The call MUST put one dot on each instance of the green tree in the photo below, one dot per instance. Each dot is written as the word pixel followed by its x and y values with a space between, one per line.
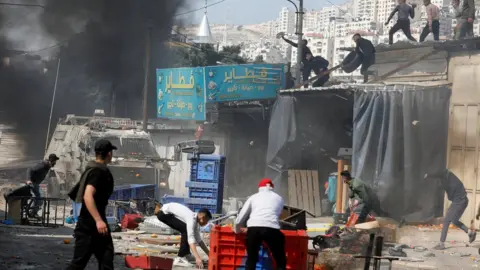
pixel 207 55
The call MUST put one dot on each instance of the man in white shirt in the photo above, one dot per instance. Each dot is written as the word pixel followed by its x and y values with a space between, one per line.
pixel 184 220
pixel 261 212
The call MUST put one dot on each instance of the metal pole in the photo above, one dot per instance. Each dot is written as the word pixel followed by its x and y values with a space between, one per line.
pixel 51 107
pixel 145 83
pixel 300 41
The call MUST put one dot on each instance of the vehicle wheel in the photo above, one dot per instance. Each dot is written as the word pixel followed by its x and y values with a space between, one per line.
pixel 352 62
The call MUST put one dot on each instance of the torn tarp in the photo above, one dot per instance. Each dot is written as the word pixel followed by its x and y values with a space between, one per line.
pixel 400 134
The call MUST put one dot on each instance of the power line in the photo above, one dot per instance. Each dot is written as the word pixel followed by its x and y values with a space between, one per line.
pixel 198 9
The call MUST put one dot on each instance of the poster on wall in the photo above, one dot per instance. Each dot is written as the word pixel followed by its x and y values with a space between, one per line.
pixel 244 82
pixel 181 94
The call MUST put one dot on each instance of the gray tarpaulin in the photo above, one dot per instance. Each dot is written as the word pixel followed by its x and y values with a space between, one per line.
pixel 400 134
pixel 305 132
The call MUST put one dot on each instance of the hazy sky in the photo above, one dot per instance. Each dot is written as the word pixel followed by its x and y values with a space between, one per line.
pixel 246 11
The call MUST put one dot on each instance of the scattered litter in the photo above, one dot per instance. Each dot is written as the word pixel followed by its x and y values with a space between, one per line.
pixel 397 252
pixel 419 249
pixel 415 122
pixel 401 246
pixel 464 254
pixel 154 236
pixel 66 241
pixel 410 259
pixel 429 255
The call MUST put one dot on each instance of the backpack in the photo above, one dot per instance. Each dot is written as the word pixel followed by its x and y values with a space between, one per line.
pixel 76 193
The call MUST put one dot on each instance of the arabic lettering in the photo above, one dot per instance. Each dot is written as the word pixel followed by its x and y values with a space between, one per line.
pixel 249 74
pixel 181 82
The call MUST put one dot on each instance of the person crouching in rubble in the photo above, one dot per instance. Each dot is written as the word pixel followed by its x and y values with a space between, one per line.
pixel 359 199
pixel 458 196
pixel 183 220
pixel 261 213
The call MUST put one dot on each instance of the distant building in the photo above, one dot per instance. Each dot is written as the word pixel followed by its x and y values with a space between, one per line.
pixel 286 21
pixel 311 20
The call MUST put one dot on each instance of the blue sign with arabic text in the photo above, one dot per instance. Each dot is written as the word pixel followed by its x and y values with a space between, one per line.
pixel 181 93
pixel 244 82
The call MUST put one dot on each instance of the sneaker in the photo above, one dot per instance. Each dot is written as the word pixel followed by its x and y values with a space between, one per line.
pixel 439 246
pixel 190 258
pixel 182 262
pixel 472 235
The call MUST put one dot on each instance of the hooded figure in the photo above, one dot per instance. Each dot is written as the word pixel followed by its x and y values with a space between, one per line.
pixel 458 196
pixel 261 213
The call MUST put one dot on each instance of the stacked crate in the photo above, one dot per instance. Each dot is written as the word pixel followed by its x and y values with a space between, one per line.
pixel 205 189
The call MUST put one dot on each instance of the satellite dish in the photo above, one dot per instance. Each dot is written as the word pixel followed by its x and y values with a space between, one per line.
pixel 280 35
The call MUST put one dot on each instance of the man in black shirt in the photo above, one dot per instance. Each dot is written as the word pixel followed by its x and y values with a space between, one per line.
pixel 36 175
pixel 306 55
pixel 92 235
pixel 367 50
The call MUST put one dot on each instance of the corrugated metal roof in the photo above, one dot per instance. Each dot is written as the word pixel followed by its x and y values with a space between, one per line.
pixel 356 87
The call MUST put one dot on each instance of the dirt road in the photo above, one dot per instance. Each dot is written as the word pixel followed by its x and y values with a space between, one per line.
pixel 41 248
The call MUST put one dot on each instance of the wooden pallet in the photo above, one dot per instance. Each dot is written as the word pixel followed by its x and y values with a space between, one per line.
pixel 304 191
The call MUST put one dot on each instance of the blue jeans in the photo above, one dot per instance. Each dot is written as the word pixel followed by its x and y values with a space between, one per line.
pixel 37 203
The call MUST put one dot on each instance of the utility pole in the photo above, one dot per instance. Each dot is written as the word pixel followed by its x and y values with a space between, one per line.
pixel 51 107
pixel 147 75
pixel 298 74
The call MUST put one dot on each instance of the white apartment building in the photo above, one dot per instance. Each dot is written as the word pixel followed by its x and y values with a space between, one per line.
pixel 286 21
pixel 366 9
pixel 339 27
pixel 311 20
pixel 325 14
pixel 318 44
pixel 272 28
pixel 349 28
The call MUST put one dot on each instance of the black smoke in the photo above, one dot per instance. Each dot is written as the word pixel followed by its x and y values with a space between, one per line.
pixel 101 47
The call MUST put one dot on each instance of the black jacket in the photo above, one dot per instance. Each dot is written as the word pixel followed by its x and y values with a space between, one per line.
pixel 38 173
pixel 365 47
pixel 306 50
pixel 452 185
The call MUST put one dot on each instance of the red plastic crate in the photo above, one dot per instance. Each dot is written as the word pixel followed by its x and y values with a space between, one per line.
pixel 148 262
pixel 228 251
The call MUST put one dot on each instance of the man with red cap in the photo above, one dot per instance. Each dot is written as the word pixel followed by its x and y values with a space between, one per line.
pixel 261 214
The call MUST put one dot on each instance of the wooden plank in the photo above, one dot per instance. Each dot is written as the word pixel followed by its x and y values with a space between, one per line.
pixel 304 188
pixel 316 192
pixel 309 194
pixel 298 189
pixel 292 195
pixel 338 206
